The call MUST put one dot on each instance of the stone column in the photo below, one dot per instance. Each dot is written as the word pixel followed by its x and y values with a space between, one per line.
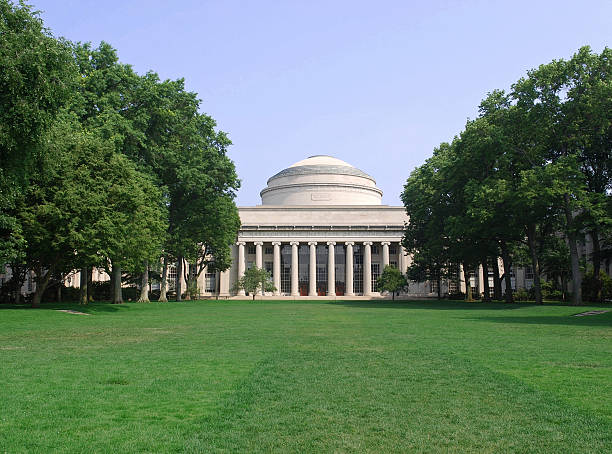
pixel 367 268
pixel 258 254
pixel 349 269
pixel 294 269
pixel 402 259
pixel 331 268
pixel 276 267
pixel 241 264
pixel 224 283
pixel 312 269
pixel 385 254
pixel 258 258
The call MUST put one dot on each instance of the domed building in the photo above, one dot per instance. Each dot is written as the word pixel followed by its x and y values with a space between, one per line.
pixel 321 230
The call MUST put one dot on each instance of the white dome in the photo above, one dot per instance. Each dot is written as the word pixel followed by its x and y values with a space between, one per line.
pixel 321 180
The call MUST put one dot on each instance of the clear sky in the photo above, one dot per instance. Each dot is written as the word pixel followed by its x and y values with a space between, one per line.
pixel 378 84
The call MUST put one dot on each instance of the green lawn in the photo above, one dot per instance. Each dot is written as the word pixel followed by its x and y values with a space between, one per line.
pixel 306 377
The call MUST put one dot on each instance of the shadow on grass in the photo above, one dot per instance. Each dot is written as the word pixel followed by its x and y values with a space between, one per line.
pixel 91 308
pixel 430 304
pixel 588 320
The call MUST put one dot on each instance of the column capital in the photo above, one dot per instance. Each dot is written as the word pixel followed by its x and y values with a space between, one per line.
pixel 367 243
pixel 258 243
pixel 276 243
pixel 386 243
pixel 331 243
pixel 349 243
pixel 294 243
pixel 312 243
pixel 240 243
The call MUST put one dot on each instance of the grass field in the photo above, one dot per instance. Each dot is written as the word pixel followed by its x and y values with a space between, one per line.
pixel 306 377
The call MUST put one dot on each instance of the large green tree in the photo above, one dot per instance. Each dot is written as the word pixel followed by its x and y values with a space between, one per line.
pixel 36 77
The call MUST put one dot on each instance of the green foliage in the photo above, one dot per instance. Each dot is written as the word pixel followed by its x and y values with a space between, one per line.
pixel 36 80
pixel 536 162
pixel 594 289
pixel 392 280
pixel 255 279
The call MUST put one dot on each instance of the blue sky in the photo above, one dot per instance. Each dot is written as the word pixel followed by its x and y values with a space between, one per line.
pixel 378 84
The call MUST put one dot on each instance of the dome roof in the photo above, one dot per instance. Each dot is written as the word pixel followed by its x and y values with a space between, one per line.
pixel 321 180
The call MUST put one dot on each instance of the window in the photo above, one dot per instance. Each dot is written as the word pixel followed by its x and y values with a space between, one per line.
pixel 453 279
pixel 375 276
pixel 375 249
pixel 358 269
pixel 528 273
pixel 30 283
pixel 250 265
pixel 251 249
pixel 269 266
pixel 210 282
pixel 433 286
pixel 268 250
pixel 393 263
pixel 392 249
pixel 285 269
pixel 171 280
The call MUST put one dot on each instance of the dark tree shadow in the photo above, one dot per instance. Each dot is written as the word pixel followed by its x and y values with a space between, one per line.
pixel 570 320
pixel 440 305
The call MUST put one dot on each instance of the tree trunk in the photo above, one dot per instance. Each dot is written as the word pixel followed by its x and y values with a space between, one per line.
pixel 117 293
pixel 531 239
pixel 507 269
pixel 597 263
pixel 89 284
pixel 571 239
pixel 144 284
pixel 58 293
pixel 83 286
pixel 485 281
pixel 496 281
pixel 179 275
pixel 393 293
pixel 439 287
pixel 164 281
pixel 41 285
pixel 468 287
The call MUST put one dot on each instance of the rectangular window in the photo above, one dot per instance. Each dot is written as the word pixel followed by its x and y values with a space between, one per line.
pixel 375 276
pixel 285 269
pixel 528 273
pixel 453 279
pixel 433 286
pixel 30 283
pixel 269 266
pixel 375 249
pixel 392 250
pixel 268 250
pixel 251 249
pixel 171 280
pixel 250 265
pixel 210 282
pixel 393 263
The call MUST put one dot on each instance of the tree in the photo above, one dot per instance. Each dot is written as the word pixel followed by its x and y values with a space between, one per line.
pixel 255 279
pixel 391 280
pixel 36 80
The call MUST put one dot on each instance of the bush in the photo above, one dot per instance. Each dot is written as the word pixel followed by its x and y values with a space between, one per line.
pixel 521 294
pixel 591 287
pixel 456 296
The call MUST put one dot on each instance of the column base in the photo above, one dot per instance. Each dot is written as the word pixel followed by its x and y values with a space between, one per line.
pixel 295 294
pixel 349 294
pixel 241 293
pixel 331 294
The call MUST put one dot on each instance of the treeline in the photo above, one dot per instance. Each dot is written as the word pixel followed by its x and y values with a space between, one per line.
pixel 103 167
pixel 526 181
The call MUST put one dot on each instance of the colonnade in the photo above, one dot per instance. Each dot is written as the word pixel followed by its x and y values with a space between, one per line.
pixel 312 267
